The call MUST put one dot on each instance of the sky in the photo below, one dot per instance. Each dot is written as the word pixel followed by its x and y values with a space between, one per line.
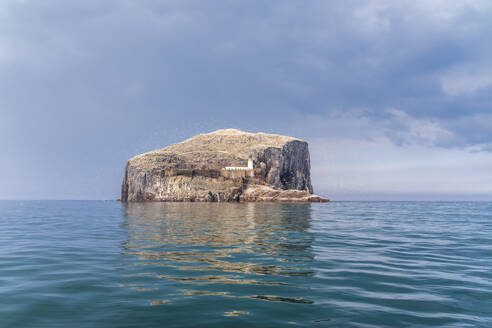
pixel 393 97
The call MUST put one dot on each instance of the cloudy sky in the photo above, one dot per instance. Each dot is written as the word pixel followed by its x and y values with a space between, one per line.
pixel 394 97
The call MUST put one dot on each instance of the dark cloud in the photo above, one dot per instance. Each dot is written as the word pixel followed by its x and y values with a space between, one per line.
pixel 85 80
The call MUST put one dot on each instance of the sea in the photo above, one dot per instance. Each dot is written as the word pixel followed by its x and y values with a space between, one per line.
pixel 340 264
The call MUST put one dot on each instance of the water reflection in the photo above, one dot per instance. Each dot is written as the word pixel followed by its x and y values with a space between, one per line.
pixel 219 245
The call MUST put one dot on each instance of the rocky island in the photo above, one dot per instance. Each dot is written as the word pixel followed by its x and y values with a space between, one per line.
pixel 223 166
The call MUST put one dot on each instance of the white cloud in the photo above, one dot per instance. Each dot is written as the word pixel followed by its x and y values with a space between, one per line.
pixel 466 82
pixel 415 130
pixel 373 17
pixel 396 126
pixel 344 168
pixel 381 16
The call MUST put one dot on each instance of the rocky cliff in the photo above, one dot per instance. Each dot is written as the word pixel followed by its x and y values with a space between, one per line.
pixel 193 170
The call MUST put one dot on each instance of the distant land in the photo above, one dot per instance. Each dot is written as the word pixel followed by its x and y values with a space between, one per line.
pixel 223 166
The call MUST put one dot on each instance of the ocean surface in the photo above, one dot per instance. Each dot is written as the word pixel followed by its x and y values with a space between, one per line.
pixel 342 264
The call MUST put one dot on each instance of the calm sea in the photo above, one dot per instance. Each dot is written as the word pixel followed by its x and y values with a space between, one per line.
pixel 343 264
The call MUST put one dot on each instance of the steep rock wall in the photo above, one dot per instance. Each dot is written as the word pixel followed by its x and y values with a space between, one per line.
pixel 168 186
pixel 288 167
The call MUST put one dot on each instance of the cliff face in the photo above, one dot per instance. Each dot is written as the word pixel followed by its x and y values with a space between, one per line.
pixel 287 167
pixel 193 170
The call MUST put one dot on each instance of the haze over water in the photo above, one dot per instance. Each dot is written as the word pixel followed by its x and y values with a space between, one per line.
pixel 343 264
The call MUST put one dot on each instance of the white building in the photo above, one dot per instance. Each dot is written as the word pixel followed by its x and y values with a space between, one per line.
pixel 241 168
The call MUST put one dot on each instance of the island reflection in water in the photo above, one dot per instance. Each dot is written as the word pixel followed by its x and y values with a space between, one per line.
pixel 246 250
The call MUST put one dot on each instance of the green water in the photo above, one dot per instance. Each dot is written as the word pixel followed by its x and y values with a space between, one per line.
pixel 348 264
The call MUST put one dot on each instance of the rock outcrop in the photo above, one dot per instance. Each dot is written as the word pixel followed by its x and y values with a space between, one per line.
pixel 193 170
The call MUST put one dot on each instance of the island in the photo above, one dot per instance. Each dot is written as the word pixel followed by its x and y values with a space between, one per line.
pixel 226 165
